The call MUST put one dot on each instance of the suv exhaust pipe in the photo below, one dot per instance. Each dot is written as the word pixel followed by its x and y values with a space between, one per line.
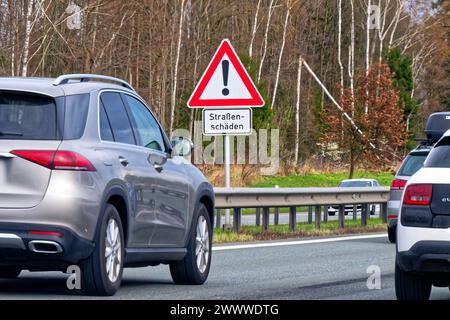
pixel 42 246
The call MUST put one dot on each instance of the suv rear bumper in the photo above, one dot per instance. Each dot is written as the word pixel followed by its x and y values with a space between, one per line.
pixel 41 251
pixel 426 256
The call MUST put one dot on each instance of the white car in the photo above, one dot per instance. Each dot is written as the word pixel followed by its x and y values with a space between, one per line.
pixel 423 232
pixel 355 183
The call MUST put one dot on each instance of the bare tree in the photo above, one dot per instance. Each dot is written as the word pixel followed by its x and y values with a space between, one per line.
pixel 177 61
pixel 26 44
pixel 266 35
pixel 351 58
pixel 369 5
pixel 396 20
pixel 341 67
pixel 255 27
pixel 297 111
pixel 280 57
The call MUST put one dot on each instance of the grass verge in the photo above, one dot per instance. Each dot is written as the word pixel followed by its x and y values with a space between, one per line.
pixel 303 230
pixel 321 179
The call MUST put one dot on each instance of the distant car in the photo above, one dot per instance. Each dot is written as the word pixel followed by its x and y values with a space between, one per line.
pixel 437 124
pixel 354 183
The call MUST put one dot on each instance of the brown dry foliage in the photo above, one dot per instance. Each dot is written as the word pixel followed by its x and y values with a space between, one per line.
pixel 383 125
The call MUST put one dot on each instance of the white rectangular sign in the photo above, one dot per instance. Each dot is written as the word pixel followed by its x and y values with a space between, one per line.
pixel 227 121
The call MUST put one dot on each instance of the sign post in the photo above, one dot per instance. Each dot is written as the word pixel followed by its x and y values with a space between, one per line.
pixel 226 93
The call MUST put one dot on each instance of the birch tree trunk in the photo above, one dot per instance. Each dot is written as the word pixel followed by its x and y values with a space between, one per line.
pixel 12 36
pixel 341 67
pixel 255 27
pixel 352 58
pixel 266 35
pixel 280 57
pixel 398 13
pixel 345 114
pixel 297 111
pixel 175 75
pixel 366 106
pixel 26 43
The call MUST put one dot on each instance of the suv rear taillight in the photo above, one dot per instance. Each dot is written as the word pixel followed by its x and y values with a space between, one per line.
pixel 56 160
pixel 398 184
pixel 418 194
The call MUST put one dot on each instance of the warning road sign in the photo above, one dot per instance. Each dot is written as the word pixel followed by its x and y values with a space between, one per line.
pixel 225 83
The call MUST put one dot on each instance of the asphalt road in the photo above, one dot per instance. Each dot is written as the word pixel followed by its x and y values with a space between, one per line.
pixel 322 270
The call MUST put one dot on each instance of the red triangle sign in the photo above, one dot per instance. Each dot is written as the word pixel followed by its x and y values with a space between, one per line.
pixel 225 83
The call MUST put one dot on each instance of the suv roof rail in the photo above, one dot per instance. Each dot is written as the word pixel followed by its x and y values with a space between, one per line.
pixel 64 79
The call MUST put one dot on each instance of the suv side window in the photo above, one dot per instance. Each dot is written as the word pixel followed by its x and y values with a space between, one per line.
pixel 118 117
pixel 439 156
pixel 105 128
pixel 412 164
pixel 146 127
pixel 76 112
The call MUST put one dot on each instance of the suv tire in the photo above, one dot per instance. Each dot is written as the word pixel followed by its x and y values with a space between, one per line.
pixel 410 286
pixel 190 270
pixel 9 272
pixel 392 234
pixel 98 278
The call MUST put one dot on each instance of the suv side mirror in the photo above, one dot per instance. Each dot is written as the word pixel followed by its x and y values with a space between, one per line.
pixel 181 146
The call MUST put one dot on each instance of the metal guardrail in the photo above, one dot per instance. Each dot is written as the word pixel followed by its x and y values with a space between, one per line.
pixel 262 199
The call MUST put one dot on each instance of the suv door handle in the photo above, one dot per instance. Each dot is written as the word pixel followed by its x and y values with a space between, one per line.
pixel 123 161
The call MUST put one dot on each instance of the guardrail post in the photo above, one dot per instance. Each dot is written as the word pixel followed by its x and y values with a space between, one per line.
pixel 310 211
pixel 292 218
pixel 325 213
pixel 341 216
pixel 237 219
pixel 364 215
pixel 218 218
pixel 258 217
pixel 383 212
pixel 276 217
pixel 265 222
pixel 355 212
pixel 317 217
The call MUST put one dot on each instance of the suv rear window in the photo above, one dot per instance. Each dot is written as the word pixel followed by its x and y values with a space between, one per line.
pixel 27 117
pixel 412 164
pixel 439 157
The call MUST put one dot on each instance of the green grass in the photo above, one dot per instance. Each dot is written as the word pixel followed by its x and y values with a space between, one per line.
pixel 321 179
pixel 254 233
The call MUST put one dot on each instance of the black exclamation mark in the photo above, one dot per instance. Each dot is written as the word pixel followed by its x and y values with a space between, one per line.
pixel 225 67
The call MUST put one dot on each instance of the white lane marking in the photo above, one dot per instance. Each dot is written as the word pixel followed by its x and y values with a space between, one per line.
pixel 294 243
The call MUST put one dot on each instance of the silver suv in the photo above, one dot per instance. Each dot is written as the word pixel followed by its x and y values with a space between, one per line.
pixel 412 163
pixel 89 178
